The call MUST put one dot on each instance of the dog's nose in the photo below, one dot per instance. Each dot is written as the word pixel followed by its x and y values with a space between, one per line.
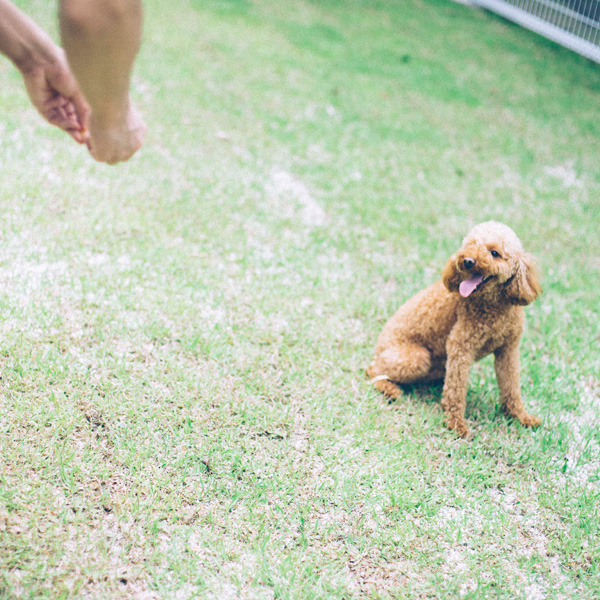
pixel 469 263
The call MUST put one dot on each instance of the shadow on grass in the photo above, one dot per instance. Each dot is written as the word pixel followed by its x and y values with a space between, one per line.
pixel 482 406
pixel 427 392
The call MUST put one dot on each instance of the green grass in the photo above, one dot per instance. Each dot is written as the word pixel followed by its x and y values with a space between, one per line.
pixel 183 409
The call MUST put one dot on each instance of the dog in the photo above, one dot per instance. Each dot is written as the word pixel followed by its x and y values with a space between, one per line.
pixel 475 310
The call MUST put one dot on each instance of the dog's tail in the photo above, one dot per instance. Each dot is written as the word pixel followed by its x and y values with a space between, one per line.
pixel 383 383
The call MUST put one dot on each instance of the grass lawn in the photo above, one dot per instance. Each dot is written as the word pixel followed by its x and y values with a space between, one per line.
pixel 183 408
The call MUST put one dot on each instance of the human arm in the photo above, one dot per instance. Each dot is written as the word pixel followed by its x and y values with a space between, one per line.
pixel 101 39
pixel 48 81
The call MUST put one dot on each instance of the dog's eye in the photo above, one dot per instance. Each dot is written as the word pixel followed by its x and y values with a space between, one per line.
pixel 495 254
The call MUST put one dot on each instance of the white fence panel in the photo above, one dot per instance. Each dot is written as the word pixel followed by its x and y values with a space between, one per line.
pixel 573 23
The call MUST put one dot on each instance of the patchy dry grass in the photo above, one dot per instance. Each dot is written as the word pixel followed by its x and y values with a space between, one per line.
pixel 183 410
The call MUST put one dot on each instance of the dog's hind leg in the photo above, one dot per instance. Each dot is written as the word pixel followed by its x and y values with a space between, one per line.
pixel 400 363
pixel 387 387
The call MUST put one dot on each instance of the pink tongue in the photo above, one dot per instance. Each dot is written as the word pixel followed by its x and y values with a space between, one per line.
pixel 467 286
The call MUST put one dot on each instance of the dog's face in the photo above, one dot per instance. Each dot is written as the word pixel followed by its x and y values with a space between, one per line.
pixel 491 261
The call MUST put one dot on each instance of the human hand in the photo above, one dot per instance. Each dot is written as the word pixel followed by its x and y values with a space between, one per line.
pixel 55 94
pixel 115 139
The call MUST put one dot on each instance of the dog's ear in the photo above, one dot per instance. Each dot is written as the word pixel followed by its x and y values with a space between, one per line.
pixel 523 287
pixel 450 275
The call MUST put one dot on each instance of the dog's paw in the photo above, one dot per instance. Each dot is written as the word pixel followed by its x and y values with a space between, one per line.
pixel 529 420
pixel 458 426
pixel 387 387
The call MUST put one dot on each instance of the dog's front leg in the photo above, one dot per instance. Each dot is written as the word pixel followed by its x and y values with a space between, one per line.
pixel 454 395
pixel 506 363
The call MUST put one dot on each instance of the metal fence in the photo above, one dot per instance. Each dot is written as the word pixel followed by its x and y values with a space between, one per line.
pixel 573 23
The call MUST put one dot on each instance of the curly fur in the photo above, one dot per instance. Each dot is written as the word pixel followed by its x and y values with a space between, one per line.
pixel 445 328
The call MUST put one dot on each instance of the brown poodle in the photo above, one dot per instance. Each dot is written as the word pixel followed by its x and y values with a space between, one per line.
pixel 475 310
